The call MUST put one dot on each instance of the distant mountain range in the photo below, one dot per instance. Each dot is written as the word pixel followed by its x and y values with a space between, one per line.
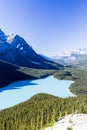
pixel 14 49
pixel 76 58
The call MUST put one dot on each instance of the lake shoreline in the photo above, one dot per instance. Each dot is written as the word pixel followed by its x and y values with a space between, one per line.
pixel 68 89
pixel 21 91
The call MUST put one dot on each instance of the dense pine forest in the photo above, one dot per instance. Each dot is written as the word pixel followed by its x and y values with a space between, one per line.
pixel 79 76
pixel 40 111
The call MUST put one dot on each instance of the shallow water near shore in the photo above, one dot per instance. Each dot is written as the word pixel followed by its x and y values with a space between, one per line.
pixel 20 91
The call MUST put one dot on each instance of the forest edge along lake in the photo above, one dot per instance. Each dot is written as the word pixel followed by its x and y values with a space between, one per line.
pixel 20 91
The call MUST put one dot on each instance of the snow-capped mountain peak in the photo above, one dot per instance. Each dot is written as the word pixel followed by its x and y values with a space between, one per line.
pixel 14 49
pixel 75 52
pixel 70 57
pixel 80 51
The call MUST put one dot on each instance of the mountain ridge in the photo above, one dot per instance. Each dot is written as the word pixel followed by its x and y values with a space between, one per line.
pixel 14 49
pixel 76 58
pixel 78 51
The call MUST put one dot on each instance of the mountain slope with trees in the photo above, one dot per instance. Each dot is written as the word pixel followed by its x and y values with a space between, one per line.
pixel 10 73
pixel 40 111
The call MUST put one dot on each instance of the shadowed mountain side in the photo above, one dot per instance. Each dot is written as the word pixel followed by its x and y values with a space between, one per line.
pixel 9 73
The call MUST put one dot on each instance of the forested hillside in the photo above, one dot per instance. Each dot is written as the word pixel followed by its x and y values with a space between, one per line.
pixel 10 73
pixel 79 76
pixel 40 111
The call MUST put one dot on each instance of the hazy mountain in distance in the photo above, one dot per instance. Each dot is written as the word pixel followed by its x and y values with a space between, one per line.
pixel 76 58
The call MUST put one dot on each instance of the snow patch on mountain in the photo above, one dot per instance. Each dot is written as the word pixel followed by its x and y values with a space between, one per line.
pixel 79 51
pixel 10 38
pixel 71 56
pixel 14 49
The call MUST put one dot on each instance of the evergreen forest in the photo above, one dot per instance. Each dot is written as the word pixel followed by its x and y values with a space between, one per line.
pixel 40 111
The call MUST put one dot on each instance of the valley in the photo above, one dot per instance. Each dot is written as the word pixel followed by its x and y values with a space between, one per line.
pixel 32 95
pixel 43 65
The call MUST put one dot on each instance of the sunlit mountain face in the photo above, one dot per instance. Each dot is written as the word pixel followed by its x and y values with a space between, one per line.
pixel 16 50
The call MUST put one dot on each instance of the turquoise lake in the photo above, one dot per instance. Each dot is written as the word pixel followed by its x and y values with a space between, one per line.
pixel 18 92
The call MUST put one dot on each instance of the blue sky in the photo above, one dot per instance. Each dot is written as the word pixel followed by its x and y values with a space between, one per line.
pixel 49 26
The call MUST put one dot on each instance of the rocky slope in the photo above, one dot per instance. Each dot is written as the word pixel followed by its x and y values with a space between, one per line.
pixel 71 122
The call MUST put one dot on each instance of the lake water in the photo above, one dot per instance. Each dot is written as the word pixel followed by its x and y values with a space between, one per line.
pixel 18 92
